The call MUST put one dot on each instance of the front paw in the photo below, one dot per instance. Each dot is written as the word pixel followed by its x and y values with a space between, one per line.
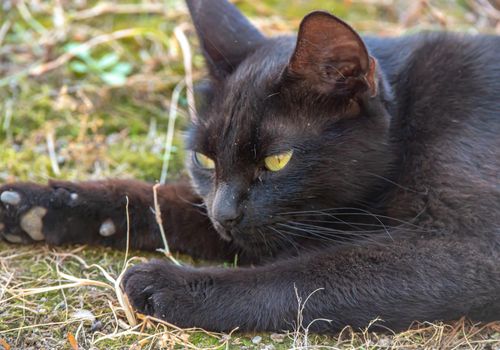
pixel 171 293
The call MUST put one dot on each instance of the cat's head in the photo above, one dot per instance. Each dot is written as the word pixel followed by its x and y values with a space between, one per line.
pixel 287 125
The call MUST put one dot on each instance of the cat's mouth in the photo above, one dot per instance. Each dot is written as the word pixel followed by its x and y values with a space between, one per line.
pixel 222 231
pixel 250 239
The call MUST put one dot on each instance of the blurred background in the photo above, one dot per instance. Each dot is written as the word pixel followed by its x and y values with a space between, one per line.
pixel 86 86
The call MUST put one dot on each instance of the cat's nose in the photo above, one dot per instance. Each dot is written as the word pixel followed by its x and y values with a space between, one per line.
pixel 225 207
pixel 227 216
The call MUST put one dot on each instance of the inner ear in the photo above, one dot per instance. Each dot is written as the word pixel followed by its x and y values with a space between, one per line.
pixel 331 57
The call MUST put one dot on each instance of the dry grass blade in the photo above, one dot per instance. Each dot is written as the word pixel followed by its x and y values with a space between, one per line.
pixel 188 69
pixel 159 221
pixel 52 152
pixel 127 246
pixel 124 302
pixel 172 116
pixel 114 8
pixel 3 30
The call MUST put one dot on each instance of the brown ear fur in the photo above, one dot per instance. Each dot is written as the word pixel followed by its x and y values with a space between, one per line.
pixel 331 57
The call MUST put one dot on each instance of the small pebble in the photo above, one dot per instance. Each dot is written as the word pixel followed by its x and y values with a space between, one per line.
pixel 224 338
pixel 61 305
pixel 268 347
pixel 84 315
pixel 96 326
pixel 384 342
pixel 278 338
pixel 257 339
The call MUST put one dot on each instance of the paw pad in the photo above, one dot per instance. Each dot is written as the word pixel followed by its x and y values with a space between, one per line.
pixel 10 197
pixel 107 228
pixel 12 238
pixel 32 223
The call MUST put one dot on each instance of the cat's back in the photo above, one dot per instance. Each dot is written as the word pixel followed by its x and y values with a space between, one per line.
pixel 442 72
pixel 446 88
pixel 446 121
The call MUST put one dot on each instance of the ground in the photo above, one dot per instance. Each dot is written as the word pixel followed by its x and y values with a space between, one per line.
pixel 86 93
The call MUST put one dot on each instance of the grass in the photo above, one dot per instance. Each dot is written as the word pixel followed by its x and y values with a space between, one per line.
pixel 85 93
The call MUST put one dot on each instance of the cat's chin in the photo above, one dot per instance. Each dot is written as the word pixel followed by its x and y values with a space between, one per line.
pixel 223 233
pixel 246 242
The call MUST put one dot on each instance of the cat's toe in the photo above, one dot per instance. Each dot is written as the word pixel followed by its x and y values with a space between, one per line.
pixel 153 288
pixel 107 228
pixel 141 283
pixel 9 237
pixel 21 219
pixel 31 222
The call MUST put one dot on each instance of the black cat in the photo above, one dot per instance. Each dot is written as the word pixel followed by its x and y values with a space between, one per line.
pixel 366 168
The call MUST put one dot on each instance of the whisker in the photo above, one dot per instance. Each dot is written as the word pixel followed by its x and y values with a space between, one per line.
pixel 363 227
pixel 346 240
pixel 287 239
pixel 396 184
pixel 331 234
pixel 341 211
pixel 331 229
pixel 309 236
pixel 264 240
pixel 202 206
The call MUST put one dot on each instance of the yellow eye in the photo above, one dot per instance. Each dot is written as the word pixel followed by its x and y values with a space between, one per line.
pixel 278 161
pixel 203 161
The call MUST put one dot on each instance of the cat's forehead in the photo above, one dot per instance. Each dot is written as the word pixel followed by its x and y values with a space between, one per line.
pixel 248 99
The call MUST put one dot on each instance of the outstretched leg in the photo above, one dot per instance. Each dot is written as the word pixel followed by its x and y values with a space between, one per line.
pixel 95 213
pixel 435 279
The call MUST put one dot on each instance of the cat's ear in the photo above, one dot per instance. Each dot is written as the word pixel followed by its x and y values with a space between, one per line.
pixel 331 57
pixel 225 35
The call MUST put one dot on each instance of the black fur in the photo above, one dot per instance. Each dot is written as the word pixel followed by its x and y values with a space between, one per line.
pixel 390 204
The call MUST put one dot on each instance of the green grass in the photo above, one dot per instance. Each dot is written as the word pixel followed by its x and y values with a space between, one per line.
pixel 115 126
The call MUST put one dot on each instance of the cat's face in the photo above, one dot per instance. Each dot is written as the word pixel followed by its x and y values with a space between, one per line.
pixel 284 128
